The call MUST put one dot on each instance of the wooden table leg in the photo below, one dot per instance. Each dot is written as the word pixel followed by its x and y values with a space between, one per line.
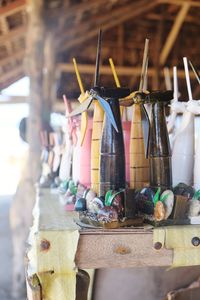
pixel 82 285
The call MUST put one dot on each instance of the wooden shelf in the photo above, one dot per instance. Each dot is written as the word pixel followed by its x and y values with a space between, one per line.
pixel 100 248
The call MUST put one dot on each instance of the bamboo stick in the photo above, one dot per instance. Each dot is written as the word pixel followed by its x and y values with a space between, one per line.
pixel 84 116
pixel 116 81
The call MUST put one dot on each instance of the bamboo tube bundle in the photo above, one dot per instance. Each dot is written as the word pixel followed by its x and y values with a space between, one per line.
pixel 112 154
pixel 125 124
pixel 139 164
pixel 111 144
pixel 159 146
pixel 98 117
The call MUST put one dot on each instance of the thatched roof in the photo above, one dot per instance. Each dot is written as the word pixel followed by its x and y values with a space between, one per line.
pixel 172 26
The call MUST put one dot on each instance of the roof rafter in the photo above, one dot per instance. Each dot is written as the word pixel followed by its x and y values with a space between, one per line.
pixel 106 22
pixel 174 32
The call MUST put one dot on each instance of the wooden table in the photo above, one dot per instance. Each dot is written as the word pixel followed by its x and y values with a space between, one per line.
pixel 96 248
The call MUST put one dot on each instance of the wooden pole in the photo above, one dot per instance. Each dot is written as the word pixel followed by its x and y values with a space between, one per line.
pixel 40 68
pixel 34 63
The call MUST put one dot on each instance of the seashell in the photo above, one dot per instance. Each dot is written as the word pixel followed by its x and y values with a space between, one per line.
pixel 194 208
pixel 196 195
pixel 107 214
pixel 57 181
pixel 68 193
pixel 63 187
pixel 95 205
pixel 115 199
pixel 80 204
pixel 184 190
pixel 72 187
pixel 71 199
pixel 148 192
pixel 80 190
pixel 89 195
pixel 167 198
pixel 143 204
pixel 159 211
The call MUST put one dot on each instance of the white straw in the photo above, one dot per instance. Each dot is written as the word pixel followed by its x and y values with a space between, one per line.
pixel 175 83
pixel 187 76
pixel 168 82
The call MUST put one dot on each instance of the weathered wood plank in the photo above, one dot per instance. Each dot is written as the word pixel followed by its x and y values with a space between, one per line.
pixel 120 250
pixel 12 8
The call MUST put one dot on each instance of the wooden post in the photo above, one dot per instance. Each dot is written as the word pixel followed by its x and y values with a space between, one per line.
pixel 40 67
pixel 35 61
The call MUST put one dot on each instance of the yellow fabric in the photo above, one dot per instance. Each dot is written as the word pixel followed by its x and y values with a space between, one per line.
pixel 179 239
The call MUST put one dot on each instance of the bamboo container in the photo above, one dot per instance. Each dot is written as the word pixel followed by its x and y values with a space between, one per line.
pixel 139 165
pixel 126 124
pixel 138 175
pixel 159 148
pixel 126 131
pixel 95 145
pixel 112 156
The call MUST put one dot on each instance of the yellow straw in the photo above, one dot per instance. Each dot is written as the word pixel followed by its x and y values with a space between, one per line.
pixel 78 76
pixel 114 72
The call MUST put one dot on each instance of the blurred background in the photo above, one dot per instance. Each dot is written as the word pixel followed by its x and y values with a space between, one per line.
pixel 38 39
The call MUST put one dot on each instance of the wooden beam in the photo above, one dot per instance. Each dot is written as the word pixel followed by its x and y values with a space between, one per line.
pixel 4 99
pixel 121 70
pixel 107 23
pixel 78 9
pixel 181 2
pixel 101 250
pixel 98 21
pixel 13 73
pixel 12 8
pixel 170 18
pixel 13 34
pixel 174 32
pixel 12 57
